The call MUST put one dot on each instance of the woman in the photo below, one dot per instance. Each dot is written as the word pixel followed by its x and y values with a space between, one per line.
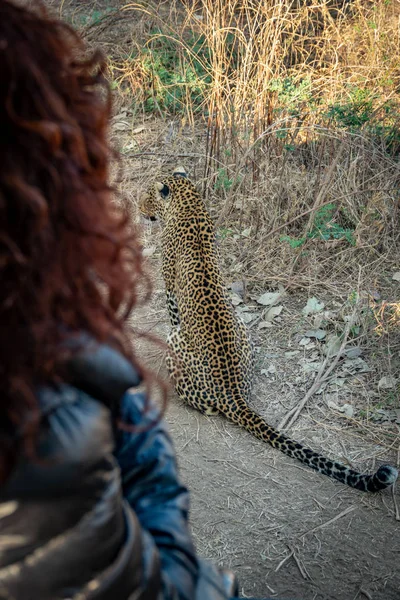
pixel 90 503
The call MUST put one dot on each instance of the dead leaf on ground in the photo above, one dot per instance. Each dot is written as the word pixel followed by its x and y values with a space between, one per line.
pixel 119 116
pixel 138 129
pixel 323 317
pixel 382 415
pixel 270 371
pixel 387 383
pixel 319 334
pixel 264 325
pixel 269 298
pixel 332 346
pixel 396 276
pixel 311 367
pixel 352 366
pixel 235 298
pixel 273 312
pixel 121 126
pixel 347 409
pixel 313 306
pixel 353 352
pixel 292 353
pixel 247 317
pixel 149 251
pixel 237 287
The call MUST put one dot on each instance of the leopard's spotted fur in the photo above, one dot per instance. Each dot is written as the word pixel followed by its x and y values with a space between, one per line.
pixel 211 363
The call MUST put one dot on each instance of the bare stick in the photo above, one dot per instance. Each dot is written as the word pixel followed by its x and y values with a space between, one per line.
pixel 344 512
pixel 284 560
pixel 322 375
pixel 396 508
pixel 301 568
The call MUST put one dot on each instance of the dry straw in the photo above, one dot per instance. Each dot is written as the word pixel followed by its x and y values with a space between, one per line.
pixel 296 107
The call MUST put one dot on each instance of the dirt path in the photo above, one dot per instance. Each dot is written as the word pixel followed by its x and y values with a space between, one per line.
pixel 285 530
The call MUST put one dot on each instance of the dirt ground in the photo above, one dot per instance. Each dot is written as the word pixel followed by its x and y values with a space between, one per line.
pixel 286 531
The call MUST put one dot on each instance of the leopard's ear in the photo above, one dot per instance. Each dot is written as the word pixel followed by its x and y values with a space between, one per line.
pixel 163 189
pixel 180 172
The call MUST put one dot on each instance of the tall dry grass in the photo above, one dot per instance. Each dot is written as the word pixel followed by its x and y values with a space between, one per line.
pixel 299 102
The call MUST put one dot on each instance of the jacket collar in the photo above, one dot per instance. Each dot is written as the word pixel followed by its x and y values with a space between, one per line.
pixel 101 371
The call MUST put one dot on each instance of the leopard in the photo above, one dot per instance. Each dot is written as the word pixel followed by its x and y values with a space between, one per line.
pixel 210 356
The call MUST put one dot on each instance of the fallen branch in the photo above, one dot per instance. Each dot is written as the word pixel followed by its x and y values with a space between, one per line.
pixel 322 376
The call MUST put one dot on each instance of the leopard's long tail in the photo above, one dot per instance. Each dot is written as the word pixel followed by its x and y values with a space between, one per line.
pixel 244 416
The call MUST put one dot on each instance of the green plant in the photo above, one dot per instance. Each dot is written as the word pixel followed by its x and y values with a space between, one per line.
pixel 324 228
pixel 291 95
pixel 225 180
pixel 293 242
pixel 224 232
pixel 370 112
pixel 95 17
pixel 176 80
pixel 168 74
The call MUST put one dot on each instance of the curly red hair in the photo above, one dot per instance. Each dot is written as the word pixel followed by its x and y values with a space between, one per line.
pixel 69 259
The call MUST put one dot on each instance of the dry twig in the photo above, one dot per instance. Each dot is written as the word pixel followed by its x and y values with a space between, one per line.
pixel 344 512
pixel 322 375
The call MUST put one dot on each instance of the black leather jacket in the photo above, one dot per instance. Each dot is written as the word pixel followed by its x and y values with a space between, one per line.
pixel 100 513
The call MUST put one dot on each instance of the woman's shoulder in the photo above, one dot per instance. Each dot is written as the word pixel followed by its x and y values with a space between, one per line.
pixel 74 447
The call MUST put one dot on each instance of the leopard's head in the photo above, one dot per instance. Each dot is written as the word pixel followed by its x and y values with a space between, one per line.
pixel 154 203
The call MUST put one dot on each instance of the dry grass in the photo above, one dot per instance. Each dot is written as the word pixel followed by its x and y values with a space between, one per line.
pixel 297 106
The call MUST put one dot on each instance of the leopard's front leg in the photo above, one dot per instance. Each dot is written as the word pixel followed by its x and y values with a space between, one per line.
pixel 172 307
pixel 169 275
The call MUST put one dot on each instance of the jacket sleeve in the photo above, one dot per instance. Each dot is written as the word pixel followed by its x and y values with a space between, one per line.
pixel 151 486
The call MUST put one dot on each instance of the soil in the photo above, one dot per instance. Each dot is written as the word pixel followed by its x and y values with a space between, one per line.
pixel 286 531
